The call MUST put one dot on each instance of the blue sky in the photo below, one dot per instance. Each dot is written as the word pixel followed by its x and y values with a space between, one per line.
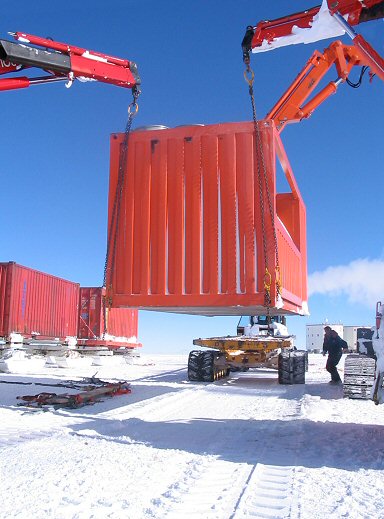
pixel 55 146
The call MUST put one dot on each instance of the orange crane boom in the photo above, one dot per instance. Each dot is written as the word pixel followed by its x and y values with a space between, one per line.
pixel 290 108
pixel 339 17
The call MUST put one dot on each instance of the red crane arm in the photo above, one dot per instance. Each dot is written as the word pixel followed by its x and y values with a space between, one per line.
pixel 62 62
pixel 337 18
pixel 262 36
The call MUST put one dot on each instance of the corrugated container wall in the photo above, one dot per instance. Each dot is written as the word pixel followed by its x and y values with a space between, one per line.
pixel 191 224
pixel 122 323
pixel 32 302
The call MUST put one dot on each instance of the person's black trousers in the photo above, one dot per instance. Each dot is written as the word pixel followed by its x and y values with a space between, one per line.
pixel 332 362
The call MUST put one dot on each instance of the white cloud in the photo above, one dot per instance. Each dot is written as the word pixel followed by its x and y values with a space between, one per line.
pixel 362 281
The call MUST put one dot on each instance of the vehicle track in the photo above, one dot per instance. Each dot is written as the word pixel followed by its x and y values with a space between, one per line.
pixel 163 407
pixel 203 493
pixel 267 493
pixel 216 483
pixel 243 488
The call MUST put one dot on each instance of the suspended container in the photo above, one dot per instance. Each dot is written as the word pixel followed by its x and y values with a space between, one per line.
pixel 118 330
pixel 35 304
pixel 192 234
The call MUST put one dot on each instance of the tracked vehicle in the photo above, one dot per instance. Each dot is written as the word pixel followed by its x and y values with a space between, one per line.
pixel 260 343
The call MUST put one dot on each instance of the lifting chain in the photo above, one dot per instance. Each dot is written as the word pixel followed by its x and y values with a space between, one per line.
pixel 263 178
pixel 110 256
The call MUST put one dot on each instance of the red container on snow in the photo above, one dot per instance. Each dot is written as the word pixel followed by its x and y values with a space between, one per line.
pixel 35 303
pixel 122 323
pixel 190 235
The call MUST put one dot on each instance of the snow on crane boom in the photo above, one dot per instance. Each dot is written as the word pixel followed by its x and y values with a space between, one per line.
pixel 62 62
pixel 317 23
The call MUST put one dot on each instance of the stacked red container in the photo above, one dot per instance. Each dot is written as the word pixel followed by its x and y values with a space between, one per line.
pixel 33 303
pixel 190 236
pixel 122 323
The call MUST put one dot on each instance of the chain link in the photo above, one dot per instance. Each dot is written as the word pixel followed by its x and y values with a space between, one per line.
pixel 262 176
pixel 110 256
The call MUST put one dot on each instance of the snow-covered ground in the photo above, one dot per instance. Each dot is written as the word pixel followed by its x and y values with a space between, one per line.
pixel 243 447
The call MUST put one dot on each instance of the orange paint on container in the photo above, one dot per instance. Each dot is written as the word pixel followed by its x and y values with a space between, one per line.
pixel 190 234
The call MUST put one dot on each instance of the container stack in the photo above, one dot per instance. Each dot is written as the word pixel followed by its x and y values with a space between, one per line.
pixel 48 314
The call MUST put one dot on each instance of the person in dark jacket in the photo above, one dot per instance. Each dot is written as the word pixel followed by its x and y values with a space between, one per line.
pixel 335 346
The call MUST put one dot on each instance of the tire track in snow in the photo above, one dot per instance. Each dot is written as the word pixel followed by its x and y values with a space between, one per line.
pixel 213 488
pixel 199 488
pixel 267 493
pixel 208 490
pixel 162 407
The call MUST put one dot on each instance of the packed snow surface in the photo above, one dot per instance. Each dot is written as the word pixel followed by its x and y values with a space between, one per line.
pixel 241 447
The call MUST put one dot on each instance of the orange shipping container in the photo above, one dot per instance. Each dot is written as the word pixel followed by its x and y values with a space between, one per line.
pixel 190 234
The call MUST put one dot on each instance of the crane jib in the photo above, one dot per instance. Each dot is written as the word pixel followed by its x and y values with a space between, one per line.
pixel 33 57
pixel 61 62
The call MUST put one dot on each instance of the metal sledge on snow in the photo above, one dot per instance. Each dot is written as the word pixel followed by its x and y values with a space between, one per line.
pixel 90 396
